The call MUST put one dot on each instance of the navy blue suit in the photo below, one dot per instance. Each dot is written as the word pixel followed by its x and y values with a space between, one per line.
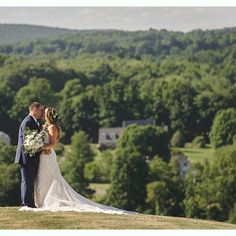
pixel 29 164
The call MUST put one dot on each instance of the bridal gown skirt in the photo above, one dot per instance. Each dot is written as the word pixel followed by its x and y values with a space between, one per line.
pixel 53 193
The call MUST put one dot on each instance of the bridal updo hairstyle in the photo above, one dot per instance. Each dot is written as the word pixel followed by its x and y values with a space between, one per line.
pixel 52 116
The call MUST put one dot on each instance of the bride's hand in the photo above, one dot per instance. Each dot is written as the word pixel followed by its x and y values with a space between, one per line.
pixel 46 151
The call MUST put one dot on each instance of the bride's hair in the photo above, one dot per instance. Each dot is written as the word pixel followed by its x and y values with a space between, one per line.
pixel 52 116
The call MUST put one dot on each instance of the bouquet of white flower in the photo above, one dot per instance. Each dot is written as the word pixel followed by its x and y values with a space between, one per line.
pixel 34 140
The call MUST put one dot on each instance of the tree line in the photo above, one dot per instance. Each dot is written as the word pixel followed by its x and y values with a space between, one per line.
pixel 107 94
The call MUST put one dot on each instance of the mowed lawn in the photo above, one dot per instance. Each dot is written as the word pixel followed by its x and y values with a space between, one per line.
pixel 193 154
pixel 11 218
pixel 197 154
pixel 100 188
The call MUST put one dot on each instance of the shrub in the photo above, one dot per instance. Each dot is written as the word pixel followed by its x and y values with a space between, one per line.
pixel 177 139
pixel 199 142
pixel 9 175
pixel 92 172
pixel 9 185
pixel 188 145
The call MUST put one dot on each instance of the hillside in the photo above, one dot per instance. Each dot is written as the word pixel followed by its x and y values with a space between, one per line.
pixel 12 219
pixel 65 43
pixel 12 33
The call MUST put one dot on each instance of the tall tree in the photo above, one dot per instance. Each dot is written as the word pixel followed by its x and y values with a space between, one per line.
pixel 36 90
pixel 165 192
pixel 71 89
pixel 128 185
pixel 223 128
pixel 74 163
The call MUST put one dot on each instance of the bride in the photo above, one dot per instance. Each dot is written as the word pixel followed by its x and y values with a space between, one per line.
pixel 51 191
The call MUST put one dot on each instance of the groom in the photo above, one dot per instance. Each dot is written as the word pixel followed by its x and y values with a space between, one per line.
pixel 28 164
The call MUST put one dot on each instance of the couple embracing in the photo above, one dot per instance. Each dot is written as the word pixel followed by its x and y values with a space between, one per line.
pixel 43 188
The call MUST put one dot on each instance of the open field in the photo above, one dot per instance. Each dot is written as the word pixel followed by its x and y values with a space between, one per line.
pixel 197 154
pixel 193 154
pixel 100 188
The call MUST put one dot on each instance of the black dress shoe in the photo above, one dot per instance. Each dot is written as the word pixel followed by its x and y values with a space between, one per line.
pixel 29 205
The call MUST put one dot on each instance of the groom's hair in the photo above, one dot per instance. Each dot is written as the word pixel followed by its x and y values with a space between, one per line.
pixel 33 105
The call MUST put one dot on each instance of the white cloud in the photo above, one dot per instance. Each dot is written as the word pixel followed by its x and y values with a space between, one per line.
pixel 127 18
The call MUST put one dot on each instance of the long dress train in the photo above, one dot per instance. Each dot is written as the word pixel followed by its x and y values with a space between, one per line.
pixel 53 193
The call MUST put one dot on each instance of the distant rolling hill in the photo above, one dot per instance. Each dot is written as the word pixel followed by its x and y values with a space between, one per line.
pixel 12 33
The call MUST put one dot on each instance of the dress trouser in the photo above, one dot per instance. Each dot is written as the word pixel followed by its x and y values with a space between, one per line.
pixel 28 174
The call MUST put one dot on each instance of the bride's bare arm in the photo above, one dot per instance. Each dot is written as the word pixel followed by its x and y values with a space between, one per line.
pixel 53 134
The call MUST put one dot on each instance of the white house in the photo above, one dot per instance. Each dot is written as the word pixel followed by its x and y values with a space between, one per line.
pixel 183 162
pixel 109 136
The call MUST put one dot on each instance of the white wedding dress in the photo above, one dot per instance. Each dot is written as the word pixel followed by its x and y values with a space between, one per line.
pixel 53 193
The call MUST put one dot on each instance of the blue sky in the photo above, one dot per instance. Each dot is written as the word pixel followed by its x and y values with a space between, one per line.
pixel 126 18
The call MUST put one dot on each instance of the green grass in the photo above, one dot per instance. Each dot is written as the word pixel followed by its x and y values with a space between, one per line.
pixel 193 154
pixel 197 154
pixel 11 218
pixel 100 188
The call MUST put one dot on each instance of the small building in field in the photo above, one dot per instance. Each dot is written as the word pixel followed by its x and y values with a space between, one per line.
pixel 107 137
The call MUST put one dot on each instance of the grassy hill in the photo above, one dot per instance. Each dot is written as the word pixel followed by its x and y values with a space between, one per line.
pixel 13 219
pixel 197 154
pixel 12 33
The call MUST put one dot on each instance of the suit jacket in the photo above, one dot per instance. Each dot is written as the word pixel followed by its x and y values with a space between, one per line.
pixel 21 157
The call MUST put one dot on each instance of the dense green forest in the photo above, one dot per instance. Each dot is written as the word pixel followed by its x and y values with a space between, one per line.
pixel 98 78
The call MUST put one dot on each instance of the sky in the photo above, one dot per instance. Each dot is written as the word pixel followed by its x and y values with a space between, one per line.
pixel 124 18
